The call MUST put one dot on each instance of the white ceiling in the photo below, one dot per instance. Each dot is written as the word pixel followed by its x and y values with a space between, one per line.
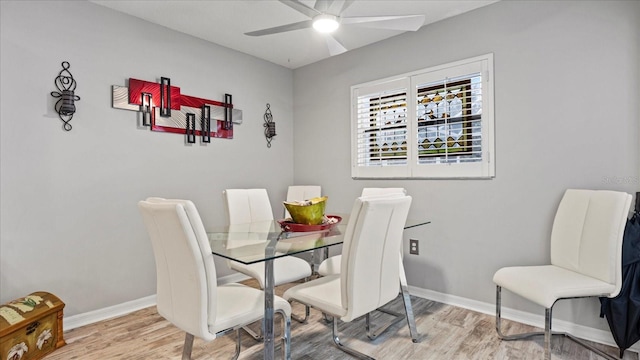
pixel 224 22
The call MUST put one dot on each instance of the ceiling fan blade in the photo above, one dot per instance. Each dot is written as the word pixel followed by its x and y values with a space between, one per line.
pixel 335 47
pixel 345 5
pixel 323 5
pixel 283 28
pixel 333 7
pixel 300 7
pixel 395 22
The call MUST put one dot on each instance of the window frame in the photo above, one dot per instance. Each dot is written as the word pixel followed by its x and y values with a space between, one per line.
pixel 412 169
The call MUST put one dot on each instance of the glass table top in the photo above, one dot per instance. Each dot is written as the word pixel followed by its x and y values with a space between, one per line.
pixel 259 241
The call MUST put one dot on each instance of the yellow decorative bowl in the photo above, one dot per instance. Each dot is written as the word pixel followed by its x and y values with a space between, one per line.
pixel 310 212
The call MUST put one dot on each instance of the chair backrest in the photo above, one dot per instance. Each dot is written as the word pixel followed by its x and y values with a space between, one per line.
pixel 185 272
pixel 302 192
pixel 247 205
pixel 370 264
pixel 587 233
pixel 383 191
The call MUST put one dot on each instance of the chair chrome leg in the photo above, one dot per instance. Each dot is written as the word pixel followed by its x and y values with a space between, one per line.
pixel 408 309
pixel 406 299
pixel 592 348
pixel 327 319
pixel 499 321
pixel 238 344
pixel 306 314
pixel 286 335
pixel 336 340
pixel 345 349
pixel 547 333
pixel 257 336
pixel 411 322
pixel 304 319
pixel 188 347
pixel 374 334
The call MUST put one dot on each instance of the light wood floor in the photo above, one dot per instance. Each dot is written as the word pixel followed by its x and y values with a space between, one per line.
pixel 447 333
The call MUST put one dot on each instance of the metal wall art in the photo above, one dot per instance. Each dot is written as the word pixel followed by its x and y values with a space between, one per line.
pixel 269 126
pixel 65 106
pixel 191 116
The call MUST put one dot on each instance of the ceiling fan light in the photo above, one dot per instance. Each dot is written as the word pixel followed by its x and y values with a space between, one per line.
pixel 325 23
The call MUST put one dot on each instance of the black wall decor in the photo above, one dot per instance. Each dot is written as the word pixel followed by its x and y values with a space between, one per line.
pixel 191 128
pixel 65 106
pixel 146 108
pixel 269 125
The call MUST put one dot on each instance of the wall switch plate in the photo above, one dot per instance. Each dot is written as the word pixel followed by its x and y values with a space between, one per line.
pixel 413 247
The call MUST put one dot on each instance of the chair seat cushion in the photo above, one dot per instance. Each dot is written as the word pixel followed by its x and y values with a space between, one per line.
pixel 322 294
pixel 545 284
pixel 285 270
pixel 330 266
pixel 240 304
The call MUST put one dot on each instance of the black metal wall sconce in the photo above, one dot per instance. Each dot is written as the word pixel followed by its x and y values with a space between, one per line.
pixel 269 125
pixel 65 106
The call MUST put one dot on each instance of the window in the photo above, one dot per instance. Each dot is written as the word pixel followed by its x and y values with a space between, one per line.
pixel 432 123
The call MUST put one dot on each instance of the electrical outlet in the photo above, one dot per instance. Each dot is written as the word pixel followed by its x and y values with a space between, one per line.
pixel 413 247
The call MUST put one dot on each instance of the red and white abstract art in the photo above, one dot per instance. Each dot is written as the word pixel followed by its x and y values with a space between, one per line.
pixel 164 108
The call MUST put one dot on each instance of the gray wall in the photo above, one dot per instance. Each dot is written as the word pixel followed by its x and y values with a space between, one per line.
pixel 567 84
pixel 566 73
pixel 69 221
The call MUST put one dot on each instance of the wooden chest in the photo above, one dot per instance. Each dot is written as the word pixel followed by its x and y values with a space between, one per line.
pixel 31 327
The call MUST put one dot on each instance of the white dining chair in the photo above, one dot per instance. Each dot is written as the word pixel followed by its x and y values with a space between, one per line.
pixel 253 206
pixel 586 252
pixel 369 275
pixel 250 206
pixel 331 265
pixel 301 192
pixel 188 295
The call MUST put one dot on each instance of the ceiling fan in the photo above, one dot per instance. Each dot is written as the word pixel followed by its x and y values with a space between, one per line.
pixel 325 17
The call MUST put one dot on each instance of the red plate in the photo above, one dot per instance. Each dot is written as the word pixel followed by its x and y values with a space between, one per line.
pixel 295 227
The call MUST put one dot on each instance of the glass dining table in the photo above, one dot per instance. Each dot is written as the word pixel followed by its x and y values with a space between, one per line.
pixel 266 241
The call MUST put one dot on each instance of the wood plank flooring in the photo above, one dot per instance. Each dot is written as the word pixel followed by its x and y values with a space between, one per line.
pixel 448 332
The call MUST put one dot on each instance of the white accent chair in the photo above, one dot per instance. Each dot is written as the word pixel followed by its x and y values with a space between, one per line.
pixel 302 192
pixel 253 205
pixel 586 252
pixel 331 265
pixel 187 292
pixel 369 275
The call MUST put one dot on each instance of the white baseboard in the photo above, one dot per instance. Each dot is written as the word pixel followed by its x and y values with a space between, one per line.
pixel 584 332
pixel 75 321
pixel 72 322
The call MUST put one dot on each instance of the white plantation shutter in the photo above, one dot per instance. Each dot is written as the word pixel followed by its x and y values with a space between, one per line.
pixel 433 123
pixel 449 114
pixel 380 133
pixel 454 120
